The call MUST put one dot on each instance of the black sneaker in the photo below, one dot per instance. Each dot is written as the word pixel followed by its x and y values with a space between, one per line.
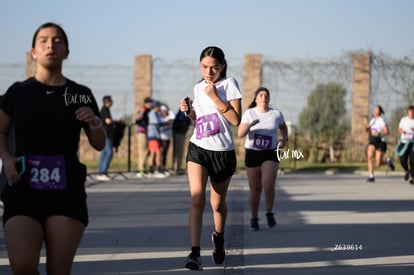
pixel 390 164
pixel 406 176
pixel 371 179
pixel 218 254
pixel 254 224
pixel 270 220
pixel 411 181
pixel 193 262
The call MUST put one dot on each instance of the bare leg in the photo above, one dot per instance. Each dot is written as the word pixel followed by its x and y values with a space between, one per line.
pixel 24 238
pixel 370 156
pixel 269 174
pixel 197 177
pixel 218 194
pixel 63 235
pixel 254 176
pixel 379 155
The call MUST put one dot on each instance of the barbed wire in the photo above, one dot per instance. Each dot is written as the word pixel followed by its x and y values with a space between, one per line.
pixel 290 81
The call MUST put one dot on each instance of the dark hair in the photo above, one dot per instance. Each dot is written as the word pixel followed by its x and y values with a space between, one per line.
pixel 411 107
pixel 260 89
pixel 147 100
pixel 218 54
pixel 51 25
pixel 381 109
pixel 107 98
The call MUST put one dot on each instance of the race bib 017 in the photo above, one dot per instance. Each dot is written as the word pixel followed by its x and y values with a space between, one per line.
pixel 262 142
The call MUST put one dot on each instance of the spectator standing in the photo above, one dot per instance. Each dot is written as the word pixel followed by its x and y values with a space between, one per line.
pixel 154 141
pixel 180 127
pixel 167 117
pixel 142 140
pixel 107 153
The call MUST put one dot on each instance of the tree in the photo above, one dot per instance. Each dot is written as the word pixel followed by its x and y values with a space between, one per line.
pixel 324 119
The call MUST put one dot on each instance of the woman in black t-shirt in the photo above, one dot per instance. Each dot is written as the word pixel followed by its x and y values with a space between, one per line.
pixel 45 200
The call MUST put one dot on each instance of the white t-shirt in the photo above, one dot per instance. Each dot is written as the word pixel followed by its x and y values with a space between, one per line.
pixel 377 125
pixel 211 130
pixel 263 135
pixel 165 129
pixel 407 125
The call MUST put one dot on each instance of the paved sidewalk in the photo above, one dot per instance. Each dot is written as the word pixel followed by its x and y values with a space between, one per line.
pixel 326 224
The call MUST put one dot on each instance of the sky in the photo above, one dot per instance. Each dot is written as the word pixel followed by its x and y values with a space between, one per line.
pixel 112 32
pixel 107 34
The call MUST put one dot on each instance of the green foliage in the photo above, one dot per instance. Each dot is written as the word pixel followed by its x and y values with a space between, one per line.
pixel 325 114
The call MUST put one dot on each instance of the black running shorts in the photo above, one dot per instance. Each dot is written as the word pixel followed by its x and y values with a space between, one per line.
pixel 255 158
pixel 378 144
pixel 220 164
pixel 42 206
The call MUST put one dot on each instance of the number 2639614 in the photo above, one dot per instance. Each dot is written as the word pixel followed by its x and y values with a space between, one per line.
pixel 347 247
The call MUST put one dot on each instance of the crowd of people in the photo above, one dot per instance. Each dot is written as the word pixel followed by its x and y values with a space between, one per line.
pixel 157 127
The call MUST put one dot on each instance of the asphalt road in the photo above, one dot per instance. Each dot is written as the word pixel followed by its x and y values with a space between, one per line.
pixel 327 224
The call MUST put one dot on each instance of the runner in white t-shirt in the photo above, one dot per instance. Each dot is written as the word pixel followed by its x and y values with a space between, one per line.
pixel 378 129
pixel 215 108
pixel 260 124
pixel 405 147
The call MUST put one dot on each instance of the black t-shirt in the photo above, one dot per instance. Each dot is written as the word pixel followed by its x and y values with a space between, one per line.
pixel 44 121
pixel 109 128
pixel 181 123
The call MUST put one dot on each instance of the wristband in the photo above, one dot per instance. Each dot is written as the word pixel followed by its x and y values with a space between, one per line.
pixel 97 126
pixel 224 109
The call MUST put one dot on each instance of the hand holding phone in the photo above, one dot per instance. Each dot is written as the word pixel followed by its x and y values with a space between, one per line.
pixel 187 101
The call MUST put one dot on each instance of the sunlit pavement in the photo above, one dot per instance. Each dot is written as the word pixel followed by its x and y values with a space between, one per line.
pixel 326 224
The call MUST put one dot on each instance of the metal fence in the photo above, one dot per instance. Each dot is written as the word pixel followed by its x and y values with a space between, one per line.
pixel 290 81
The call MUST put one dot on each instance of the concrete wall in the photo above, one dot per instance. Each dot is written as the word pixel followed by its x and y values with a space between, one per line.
pixel 361 88
pixel 252 79
pixel 142 79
